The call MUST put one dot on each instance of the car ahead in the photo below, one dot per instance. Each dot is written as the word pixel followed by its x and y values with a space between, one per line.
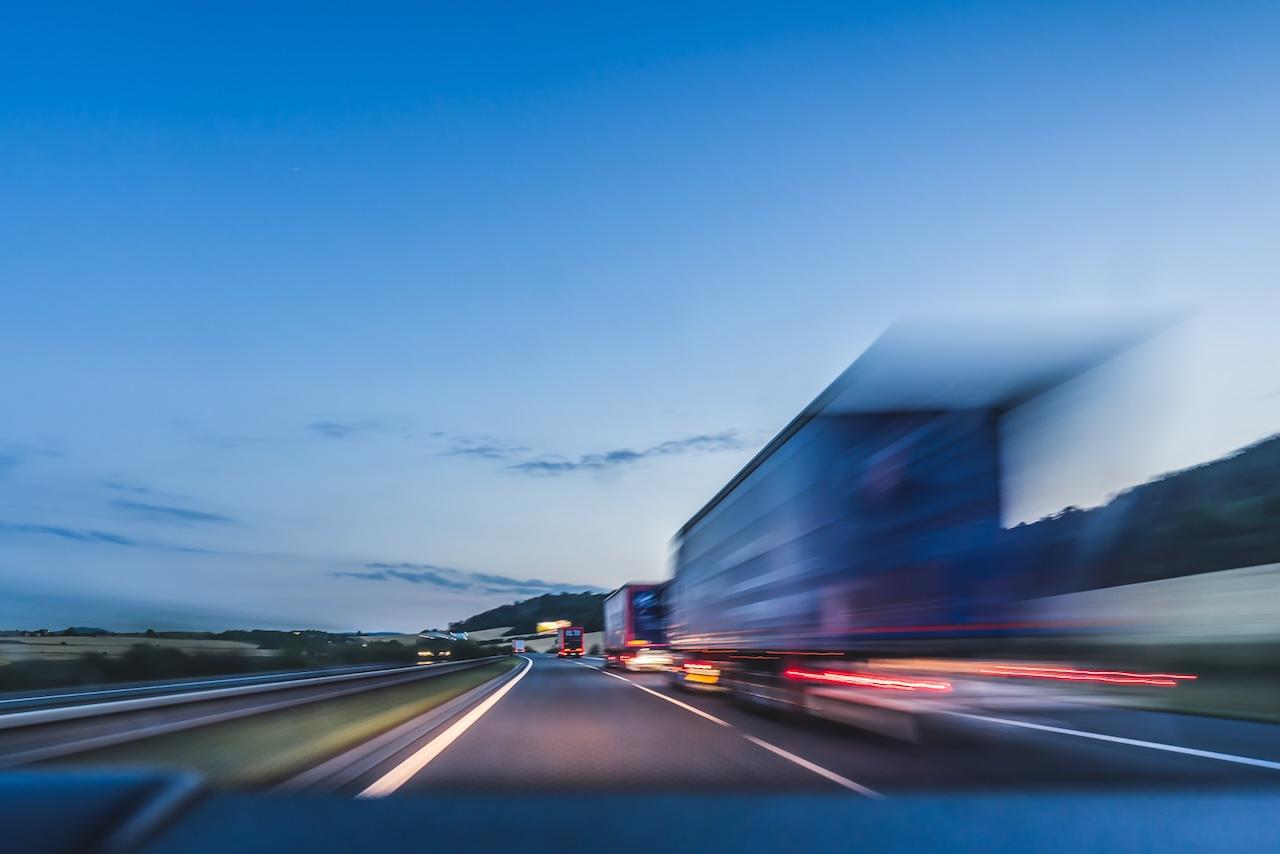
pixel 648 659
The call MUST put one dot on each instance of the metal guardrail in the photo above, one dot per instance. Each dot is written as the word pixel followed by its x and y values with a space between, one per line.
pixel 343 769
pixel 40 717
pixel 30 747
pixel 31 700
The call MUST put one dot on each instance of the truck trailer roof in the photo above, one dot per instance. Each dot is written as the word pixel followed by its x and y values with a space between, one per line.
pixel 931 365
pixel 633 584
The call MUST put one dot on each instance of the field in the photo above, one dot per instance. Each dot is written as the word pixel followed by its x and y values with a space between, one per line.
pixel 15 649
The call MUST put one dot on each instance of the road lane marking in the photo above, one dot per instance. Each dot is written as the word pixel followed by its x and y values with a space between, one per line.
pixel 402 773
pixel 772 748
pixel 672 700
pixel 816 769
pixel 1132 742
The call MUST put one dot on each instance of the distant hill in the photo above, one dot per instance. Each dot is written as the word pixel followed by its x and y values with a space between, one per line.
pixel 1219 515
pixel 581 609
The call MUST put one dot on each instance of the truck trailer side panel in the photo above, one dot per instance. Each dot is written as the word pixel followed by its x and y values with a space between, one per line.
pixel 859 529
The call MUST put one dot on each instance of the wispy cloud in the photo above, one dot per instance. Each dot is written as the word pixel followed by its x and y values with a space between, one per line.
pixel 485 448
pixel 323 428
pixel 707 443
pixel 79 535
pixel 119 484
pixel 92 536
pixel 417 573
pixel 14 455
pixel 459 580
pixel 363 576
pixel 168 513
pixel 345 429
pixel 441 578
pixel 525 587
pixel 420 566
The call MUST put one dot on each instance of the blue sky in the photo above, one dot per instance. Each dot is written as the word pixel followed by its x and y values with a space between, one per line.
pixel 375 318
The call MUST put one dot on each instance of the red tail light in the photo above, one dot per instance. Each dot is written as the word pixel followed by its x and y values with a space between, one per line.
pixel 701 666
pixel 870 680
pixel 1069 674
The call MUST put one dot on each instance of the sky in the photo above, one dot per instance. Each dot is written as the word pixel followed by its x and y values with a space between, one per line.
pixel 376 317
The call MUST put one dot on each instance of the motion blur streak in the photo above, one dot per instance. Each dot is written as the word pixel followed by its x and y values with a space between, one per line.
pixel 672 700
pixel 772 748
pixel 1132 742
pixel 817 769
pixel 402 773
pixel 701 672
pixel 868 680
pixel 975 498
pixel 1114 677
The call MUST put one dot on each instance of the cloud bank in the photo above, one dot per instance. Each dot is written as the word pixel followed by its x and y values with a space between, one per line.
pixel 459 580
pixel 12 455
pixel 707 443
pixel 344 429
pixel 167 513
pixel 79 535
pixel 485 448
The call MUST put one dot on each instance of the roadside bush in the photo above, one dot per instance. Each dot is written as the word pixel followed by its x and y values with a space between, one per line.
pixel 464 650
pixel 139 663
pixel 145 662
pixel 377 652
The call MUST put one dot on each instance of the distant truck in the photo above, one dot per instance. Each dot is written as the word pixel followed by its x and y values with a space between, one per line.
pixel 634 627
pixel 517 646
pixel 569 642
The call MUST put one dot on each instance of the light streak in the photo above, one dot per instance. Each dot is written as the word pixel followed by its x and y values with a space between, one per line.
pixel 870 680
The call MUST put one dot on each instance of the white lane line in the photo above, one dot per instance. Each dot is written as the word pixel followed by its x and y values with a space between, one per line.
pixel 402 773
pixel 772 748
pixel 672 700
pixel 1132 742
pixel 816 769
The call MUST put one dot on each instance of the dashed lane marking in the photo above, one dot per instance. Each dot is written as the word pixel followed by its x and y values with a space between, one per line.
pixel 812 767
pixel 1132 742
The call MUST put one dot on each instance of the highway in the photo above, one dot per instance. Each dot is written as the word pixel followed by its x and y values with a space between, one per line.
pixel 569 726
pixel 554 741
pixel 550 725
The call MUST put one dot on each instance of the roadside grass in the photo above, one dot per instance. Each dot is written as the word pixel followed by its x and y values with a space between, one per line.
pixel 1232 696
pixel 262 749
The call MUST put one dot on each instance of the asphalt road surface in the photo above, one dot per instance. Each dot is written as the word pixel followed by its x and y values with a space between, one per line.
pixel 568 726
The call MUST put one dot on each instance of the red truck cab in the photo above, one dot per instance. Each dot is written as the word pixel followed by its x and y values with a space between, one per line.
pixel 569 643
